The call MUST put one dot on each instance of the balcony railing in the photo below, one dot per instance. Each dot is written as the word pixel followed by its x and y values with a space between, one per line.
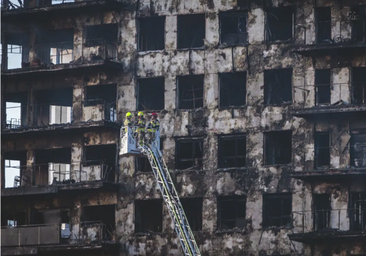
pixel 100 49
pixel 53 54
pixel 22 4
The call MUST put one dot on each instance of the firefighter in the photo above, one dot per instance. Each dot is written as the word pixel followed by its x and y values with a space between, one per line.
pixel 141 124
pixel 128 121
pixel 153 126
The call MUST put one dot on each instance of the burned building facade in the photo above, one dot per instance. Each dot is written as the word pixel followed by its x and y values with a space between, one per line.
pixel 262 110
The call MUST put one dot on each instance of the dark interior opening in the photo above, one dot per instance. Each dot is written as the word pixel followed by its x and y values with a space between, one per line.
pixel 152 34
pixel 322 149
pixel 357 208
pixel 277 209
pixel 321 211
pixel 190 92
pixel 278 86
pixel 143 164
pixel 100 213
pixel 148 216
pixel 358 150
pixel 278 147
pixel 233 89
pixel 151 94
pixel 13 219
pixel 191 31
pixel 233 28
pixel 231 212
pixel 104 155
pixel 322 86
pixel 242 3
pixel 358 86
pixel 232 151
pixel 189 153
pixel 104 95
pixel 323 24
pixel 193 210
pixel 96 34
pixel 358 23
pixel 279 24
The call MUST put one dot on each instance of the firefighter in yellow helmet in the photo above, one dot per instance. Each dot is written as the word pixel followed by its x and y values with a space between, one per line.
pixel 141 124
pixel 128 121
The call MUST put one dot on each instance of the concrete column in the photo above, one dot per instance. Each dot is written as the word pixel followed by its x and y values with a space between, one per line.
pixel 27 173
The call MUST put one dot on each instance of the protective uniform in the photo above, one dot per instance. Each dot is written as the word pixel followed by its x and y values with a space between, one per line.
pixel 153 126
pixel 141 124
pixel 128 121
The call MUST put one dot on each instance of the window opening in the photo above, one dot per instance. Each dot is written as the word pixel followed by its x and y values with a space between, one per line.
pixel 190 92
pixel 191 31
pixel 321 211
pixel 17 53
pixel 142 164
pixel 97 35
pixel 277 210
pixel 103 156
pixel 233 89
pixel 358 150
pixel 322 86
pixel 322 150
pixel 151 94
pixel 152 34
pixel 278 86
pixel 14 164
pixel 232 150
pixel 189 154
pixel 279 24
pixel 193 210
pixel 231 212
pixel 148 216
pixel 104 95
pixel 13 219
pixel 323 24
pixel 278 147
pixel 358 211
pixel 100 217
pixel 233 28
pixel 358 86
pixel 358 23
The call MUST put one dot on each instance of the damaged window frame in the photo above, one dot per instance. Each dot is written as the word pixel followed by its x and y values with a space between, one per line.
pixel 195 43
pixel 141 215
pixel 358 75
pixel 190 86
pixel 357 207
pixel 15 46
pixel 16 108
pixel 269 205
pixel 279 27
pixel 227 89
pixel 322 87
pixel 104 36
pixel 193 210
pixel 358 149
pixel 240 214
pixel 237 138
pixel 274 90
pixel 108 102
pixel 322 212
pixel 178 160
pixel 151 93
pixel 146 35
pixel 323 28
pixel 357 16
pixel 321 152
pixel 276 139
pixel 241 36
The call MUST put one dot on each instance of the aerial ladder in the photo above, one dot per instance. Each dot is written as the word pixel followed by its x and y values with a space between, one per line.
pixel 129 146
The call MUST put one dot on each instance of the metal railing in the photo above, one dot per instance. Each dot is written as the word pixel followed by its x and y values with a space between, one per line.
pixel 21 4
pixel 107 110
pixel 93 232
pixel 100 49
pixel 328 220
pixel 53 54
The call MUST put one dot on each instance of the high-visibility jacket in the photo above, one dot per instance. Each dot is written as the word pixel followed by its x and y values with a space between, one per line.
pixel 128 122
pixel 141 124
pixel 153 126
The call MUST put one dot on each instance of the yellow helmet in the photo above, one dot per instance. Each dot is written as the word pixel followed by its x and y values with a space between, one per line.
pixel 140 114
pixel 128 114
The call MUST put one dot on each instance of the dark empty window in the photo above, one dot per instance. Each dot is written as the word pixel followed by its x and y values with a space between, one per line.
pixel 191 31
pixel 103 155
pixel 322 153
pixel 190 92
pixel 322 86
pixel 193 210
pixel 358 86
pixel 232 151
pixel 233 28
pixel 279 24
pixel 278 147
pixel 277 86
pixel 151 33
pixel 233 89
pixel 322 208
pixel 148 216
pixel 357 208
pixel 189 154
pixel 242 3
pixel 231 212
pixel 277 210
pixel 13 219
pixel 358 21
pixel 100 94
pixel 142 164
pixel 323 24
pixel 97 34
pixel 151 93
pixel 358 149
pixel 104 214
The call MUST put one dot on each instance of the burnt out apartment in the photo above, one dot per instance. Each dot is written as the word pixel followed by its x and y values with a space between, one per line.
pixel 262 107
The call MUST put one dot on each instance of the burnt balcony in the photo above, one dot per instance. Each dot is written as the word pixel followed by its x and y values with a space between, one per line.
pixel 34 239
pixel 329 225
pixel 329 100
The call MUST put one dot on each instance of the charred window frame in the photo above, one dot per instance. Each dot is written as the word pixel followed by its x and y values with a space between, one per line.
pixel 232 151
pixel 233 89
pixel 322 86
pixel 191 31
pixel 97 35
pixel 15 110
pixel 142 164
pixel 151 33
pixel 357 206
pixel 233 28
pixel 278 147
pixel 100 94
pixel 150 93
pixel 279 26
pixel 13 219
pixel 322 208
pixel 104 214
pixel 277 209
pixel 189 154
pixel 190 91
pixel 323 18
pixel 12 171
pixel 193 210
pixel 358 149
pixel 15 46
pixel 231 212
pixel 357 16
pixel 148 216
pixel 322 149
pixel 278 86
pixel 359 85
